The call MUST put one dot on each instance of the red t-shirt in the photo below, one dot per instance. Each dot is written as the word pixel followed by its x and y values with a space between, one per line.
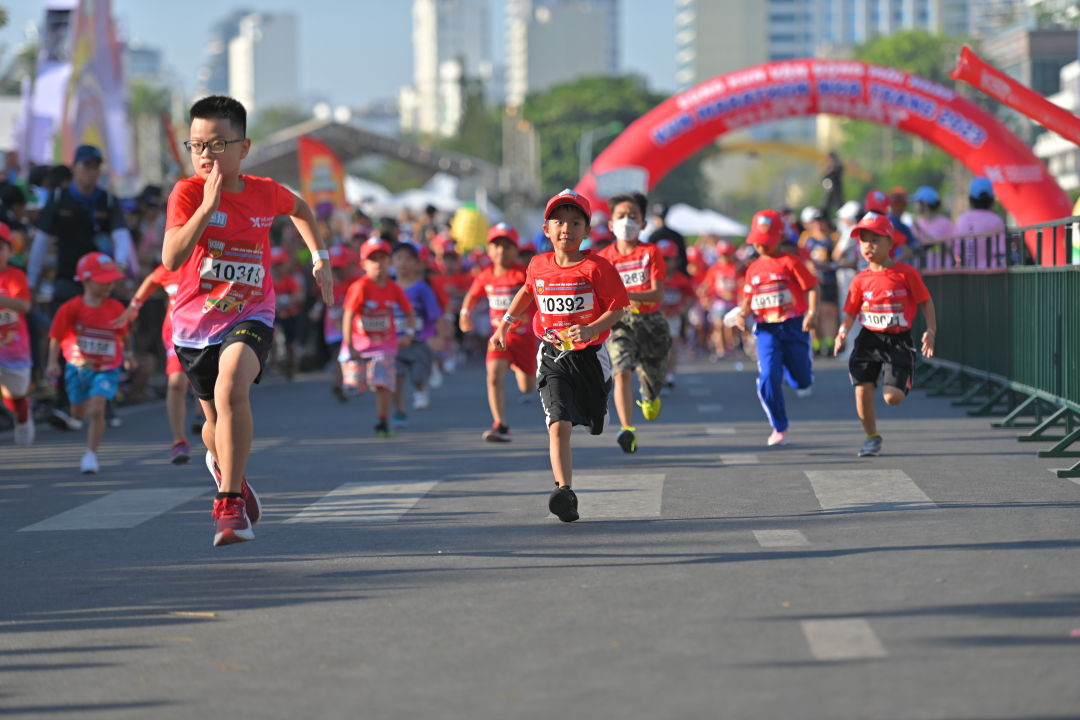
pixel 575 295
pixel 677 289
pixel 86 335
pixel 638 269
pixel 777 287
pixel 225 281
pixel 437 283
pixel 500 291
pixel 373 315
pixel 721 282
pixel 284 287
pixel 456 285
pixel 169 280
pixel 887 300
pixel 14 337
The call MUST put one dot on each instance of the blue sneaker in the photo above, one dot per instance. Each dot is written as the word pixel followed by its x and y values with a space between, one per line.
pixel 400 420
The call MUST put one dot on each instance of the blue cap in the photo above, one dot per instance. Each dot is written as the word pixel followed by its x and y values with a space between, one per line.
pixel 980 186
pixel 86 153
pixel 926 194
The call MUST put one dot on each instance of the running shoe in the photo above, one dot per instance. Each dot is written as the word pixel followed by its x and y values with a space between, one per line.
pixel 339 393
pixel 435 380
pixel 498 434
pixel 871 447
pixel 449 365
pixel 62 420
pixel 563 503
pixel 383 430
pixel 181 453
pixel 627 440
pixel 420 400
pixel 89 464
pixel 251 500
pixel 804 392
pixel 400 420
pixel 115 422
pixel 651 408
pixel 231 521
pixel 778 438
pixel 24 432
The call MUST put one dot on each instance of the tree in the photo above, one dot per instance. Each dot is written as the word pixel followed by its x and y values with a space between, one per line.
pixel 272 119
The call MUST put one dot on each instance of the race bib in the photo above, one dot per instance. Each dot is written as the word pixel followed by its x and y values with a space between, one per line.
pixel 767 301
pixel 564 304
pixel 95 346
pixel 633 278
pixel 500 302
pixel 883 320
pixel 241 273
pixel 673 298
pixel 376 323
pixel 8 317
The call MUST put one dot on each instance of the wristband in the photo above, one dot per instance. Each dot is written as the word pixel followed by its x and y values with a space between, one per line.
pixel 931 332
pixel 135 303
pixel 465 311
pixel 321 255
pixel 511 320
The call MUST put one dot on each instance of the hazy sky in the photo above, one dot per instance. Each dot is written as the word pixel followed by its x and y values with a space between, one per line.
pixel 353 51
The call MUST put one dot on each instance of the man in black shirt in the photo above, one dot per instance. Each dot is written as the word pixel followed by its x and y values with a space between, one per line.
pixel 663 232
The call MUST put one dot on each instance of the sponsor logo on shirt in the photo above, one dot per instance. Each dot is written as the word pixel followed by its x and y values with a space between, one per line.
pixel 261 222
pixel 218 219
pixel 539 286
pixel 215 248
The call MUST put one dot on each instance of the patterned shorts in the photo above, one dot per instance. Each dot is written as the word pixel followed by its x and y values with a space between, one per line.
pixel 374 372
pixel 642 342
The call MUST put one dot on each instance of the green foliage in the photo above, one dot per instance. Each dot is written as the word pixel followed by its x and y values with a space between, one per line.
pixel 3 16
pixel 272 119
pixel 915 51
pixel 147 98
pixel 480 134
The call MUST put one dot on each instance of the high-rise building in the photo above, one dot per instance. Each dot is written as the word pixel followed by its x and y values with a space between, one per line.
pixel 213 77
pixel 549 42
pixel 450 43
pixel 263 61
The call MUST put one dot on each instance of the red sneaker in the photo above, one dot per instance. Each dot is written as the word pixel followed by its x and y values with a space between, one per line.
pixel 254 507
pixel 232 524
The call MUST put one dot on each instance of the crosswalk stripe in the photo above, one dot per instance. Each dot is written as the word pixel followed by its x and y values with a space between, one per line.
pixel 619 496
pixel 366 502
pixel 720 431
pixel 867 490
pixel 710 408
pixel 120 509
pixel 849 639
pixel 700 392
pixel 780 538
pixel 739 459
pixel 690 379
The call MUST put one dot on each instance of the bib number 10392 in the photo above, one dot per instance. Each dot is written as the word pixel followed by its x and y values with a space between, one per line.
pixel 565 304
pixel 231 272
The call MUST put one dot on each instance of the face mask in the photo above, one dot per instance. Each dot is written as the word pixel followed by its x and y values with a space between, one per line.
pixel 625 229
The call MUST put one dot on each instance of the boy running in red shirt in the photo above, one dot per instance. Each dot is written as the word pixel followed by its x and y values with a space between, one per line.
pixel 579 297
pixel 886 296
pixel 370 341
pixel 289 297
pixel 640 340
pixel 782 294
pixel 343 266
pixel 218 236
pixel 15 360
pixel 678 297
pixel 719 292
pixel 95 342
pixel 500 283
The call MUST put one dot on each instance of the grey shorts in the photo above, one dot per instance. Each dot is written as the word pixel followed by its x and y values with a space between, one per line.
pixel 414 362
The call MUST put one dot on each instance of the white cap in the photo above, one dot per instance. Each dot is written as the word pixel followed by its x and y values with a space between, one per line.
pixel 808 214
pixel 849 210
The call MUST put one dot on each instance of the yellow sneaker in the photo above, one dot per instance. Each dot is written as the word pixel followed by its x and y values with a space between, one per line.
pixel 650 408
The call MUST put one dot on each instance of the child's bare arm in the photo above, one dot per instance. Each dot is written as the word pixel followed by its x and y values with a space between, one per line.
pixel 930 335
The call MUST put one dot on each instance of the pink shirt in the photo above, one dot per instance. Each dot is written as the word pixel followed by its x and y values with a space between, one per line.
pixel 976 226
pixel 939 228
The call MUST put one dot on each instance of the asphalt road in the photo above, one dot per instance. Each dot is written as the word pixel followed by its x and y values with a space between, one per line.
pixel 422 577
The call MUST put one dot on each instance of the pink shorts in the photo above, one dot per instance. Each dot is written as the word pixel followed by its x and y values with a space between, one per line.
pixel 374 372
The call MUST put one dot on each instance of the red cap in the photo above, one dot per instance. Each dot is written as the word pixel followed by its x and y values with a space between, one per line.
pixel 341 256
pixel 723 247
pixel 693 254
pixel 568 197
pixel 502 230
pixel 601 233
pixel 877 201
pixel 5 233
pixel 98 267
pixel 879 224
pixel 668 249
pixel 278 255
pixel 526 245
pixel 374 245
pixel 444 243
pixel 767 228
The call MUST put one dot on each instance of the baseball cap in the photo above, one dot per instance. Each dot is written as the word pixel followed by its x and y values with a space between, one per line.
pixel 526 245
pixel 502 230
pixel 341 256
pixel 693 254
pixel 877 201
pixel 87 153
pixel 724 247
pixel 568 197
pixel 5 233
pixel 98 267
pixel 809 214
pixel 667 248
pixel 926 194
pixel 980 186
pixel 849 210
pixel 374 245
pixel 445 243
pixel 278 255
pixel 767 228
pixel 879 224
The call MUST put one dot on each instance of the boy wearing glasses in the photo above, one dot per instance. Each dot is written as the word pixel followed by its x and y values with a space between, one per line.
pixel 217 237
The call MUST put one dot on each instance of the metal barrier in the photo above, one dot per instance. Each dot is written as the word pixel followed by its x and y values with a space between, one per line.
pixel 1008 338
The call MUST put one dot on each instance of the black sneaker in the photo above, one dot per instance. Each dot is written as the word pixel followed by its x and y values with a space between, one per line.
pixel 563 504
pixel 627 440
pixel 498 433
pixel 339 393
pixel 383 430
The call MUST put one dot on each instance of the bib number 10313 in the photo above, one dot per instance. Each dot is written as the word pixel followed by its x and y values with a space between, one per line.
pixel 565 304
pixel 232 272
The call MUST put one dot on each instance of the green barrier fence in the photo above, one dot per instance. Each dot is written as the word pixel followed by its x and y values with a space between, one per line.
pixel 1008 339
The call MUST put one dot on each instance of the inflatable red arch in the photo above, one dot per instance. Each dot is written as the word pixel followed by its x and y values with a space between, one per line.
pixel 680 126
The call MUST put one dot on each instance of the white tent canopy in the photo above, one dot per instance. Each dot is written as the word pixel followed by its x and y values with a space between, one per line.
pixel 690 221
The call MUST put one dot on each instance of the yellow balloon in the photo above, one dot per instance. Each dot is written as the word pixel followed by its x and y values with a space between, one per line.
pixel 469 228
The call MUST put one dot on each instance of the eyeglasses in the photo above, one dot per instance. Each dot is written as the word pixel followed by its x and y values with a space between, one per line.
pixel 216 146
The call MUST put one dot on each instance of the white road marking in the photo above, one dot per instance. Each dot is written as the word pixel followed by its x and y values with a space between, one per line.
pixel 700 392
pixel 120 509
pixel 720 431
pixel 780 538
pixel 867 490
pixel 689 379
pixel 365 502
pixel 710 408
pixel 739 459
pixel 851 639
pixel 619 496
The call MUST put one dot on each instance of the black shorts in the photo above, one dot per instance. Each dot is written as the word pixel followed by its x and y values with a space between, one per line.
pixel 201 364
pixel 878 354
pixel 574 386
pixel 290 326
pixel 830 293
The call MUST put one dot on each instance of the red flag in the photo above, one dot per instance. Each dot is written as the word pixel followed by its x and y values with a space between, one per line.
pixel 322 179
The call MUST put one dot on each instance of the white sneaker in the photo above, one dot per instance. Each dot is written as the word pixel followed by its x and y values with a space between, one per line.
pixel 449 365
pixel 805 392
pixel 24 432
pixel 420 400
pixel 115 422
pixel 435 380
pixel 89 464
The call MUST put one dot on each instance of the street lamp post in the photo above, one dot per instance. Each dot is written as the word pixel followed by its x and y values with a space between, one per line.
pixel 588 137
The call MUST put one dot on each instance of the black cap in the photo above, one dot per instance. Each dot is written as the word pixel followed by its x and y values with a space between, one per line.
pixel 88 153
